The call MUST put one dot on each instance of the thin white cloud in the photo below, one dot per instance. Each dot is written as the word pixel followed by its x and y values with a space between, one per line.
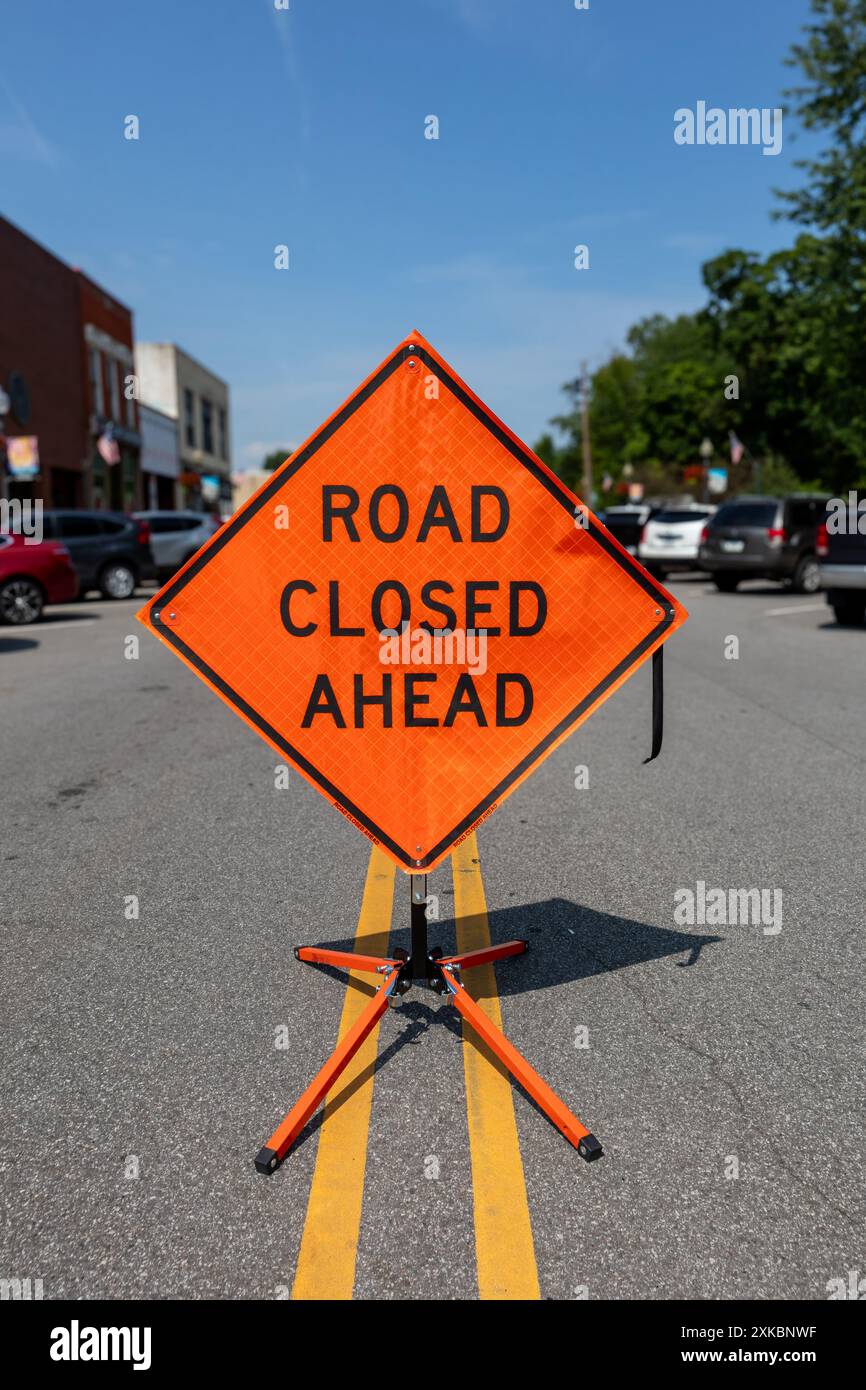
pixel 479 16
pixel 20 138
pixel 697 242
pixel 253 455
pixel 474 269
pixel 476 14
pixel 516 343
pixel 284 22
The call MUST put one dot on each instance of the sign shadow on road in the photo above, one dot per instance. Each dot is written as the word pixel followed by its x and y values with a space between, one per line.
pixel 570 942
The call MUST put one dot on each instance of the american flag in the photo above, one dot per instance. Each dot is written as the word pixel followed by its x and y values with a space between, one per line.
pixel 109 449
pixel 738 448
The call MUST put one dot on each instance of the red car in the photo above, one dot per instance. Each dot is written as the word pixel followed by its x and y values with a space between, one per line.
pixel 31 576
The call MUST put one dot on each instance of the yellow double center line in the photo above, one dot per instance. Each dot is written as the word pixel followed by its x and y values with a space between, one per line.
pixel 329 1245
pixel 503 1234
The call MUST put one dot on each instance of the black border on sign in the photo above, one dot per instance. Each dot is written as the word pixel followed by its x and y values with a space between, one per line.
pixel 556 491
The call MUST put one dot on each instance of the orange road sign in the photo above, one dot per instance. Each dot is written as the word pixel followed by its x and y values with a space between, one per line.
pixel 413 611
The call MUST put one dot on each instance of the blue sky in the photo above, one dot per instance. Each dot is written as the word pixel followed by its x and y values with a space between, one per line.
pixel 306 128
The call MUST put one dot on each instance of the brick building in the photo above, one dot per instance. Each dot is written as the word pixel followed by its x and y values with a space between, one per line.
pixel 66 363
pixel 107 345
pixel 42 367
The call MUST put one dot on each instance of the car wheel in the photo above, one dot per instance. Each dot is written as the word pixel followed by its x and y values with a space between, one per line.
pixel 21 601
pixel 725 583
pixel 657 572
pixel 849 612
pixel 117 580
pixel 807 576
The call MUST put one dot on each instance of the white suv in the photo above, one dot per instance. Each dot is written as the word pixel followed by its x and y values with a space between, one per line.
pixel 176 536
pixel 670 541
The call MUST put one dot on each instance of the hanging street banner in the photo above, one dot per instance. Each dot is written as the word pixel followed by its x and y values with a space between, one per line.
pixel 413 611
pixel 22 457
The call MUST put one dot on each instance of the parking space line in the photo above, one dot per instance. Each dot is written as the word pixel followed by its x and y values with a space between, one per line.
pixel 40 628
pixel 329 1245
pixel 795 608
pixel 503 1233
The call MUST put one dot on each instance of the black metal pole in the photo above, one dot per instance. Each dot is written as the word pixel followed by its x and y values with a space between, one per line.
pixel 420 969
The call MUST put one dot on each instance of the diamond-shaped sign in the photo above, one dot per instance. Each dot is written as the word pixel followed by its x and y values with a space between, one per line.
pixel 413 611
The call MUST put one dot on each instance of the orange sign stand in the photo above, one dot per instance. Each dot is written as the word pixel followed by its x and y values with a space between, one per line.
pixel 414 612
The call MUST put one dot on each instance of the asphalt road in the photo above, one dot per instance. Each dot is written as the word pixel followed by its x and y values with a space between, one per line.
pixel 146 1060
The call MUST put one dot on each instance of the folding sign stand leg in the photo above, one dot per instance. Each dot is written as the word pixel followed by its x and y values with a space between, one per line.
pixel 576 1133
pixel 442 973
pixel 268 1158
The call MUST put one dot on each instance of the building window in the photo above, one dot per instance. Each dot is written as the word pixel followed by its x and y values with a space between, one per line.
pixel 207 425
pixel 97 396
pixel 114 370
pixel 188 418
pixel 224 443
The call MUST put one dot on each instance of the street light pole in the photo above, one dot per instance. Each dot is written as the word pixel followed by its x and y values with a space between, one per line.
pixel 707 452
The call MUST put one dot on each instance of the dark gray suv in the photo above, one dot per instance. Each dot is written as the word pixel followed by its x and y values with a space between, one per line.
pixel 109 550
pixel 764 538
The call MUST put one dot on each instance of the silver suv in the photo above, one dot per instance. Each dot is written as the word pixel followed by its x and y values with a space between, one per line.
pixel 176 536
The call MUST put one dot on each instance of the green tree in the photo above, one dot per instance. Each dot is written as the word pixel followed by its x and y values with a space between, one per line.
pixel 795 323
pixel 614 417
pixel 555 457
pixel 273 460
pixel 776 321
pixel 649 408
pixel 832 99
pixel 791 327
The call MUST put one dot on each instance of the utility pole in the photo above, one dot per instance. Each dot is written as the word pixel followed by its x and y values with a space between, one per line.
pixel 707 452
pixel 586 497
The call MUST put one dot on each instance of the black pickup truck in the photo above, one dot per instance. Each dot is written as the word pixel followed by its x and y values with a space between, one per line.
pixel 840 546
